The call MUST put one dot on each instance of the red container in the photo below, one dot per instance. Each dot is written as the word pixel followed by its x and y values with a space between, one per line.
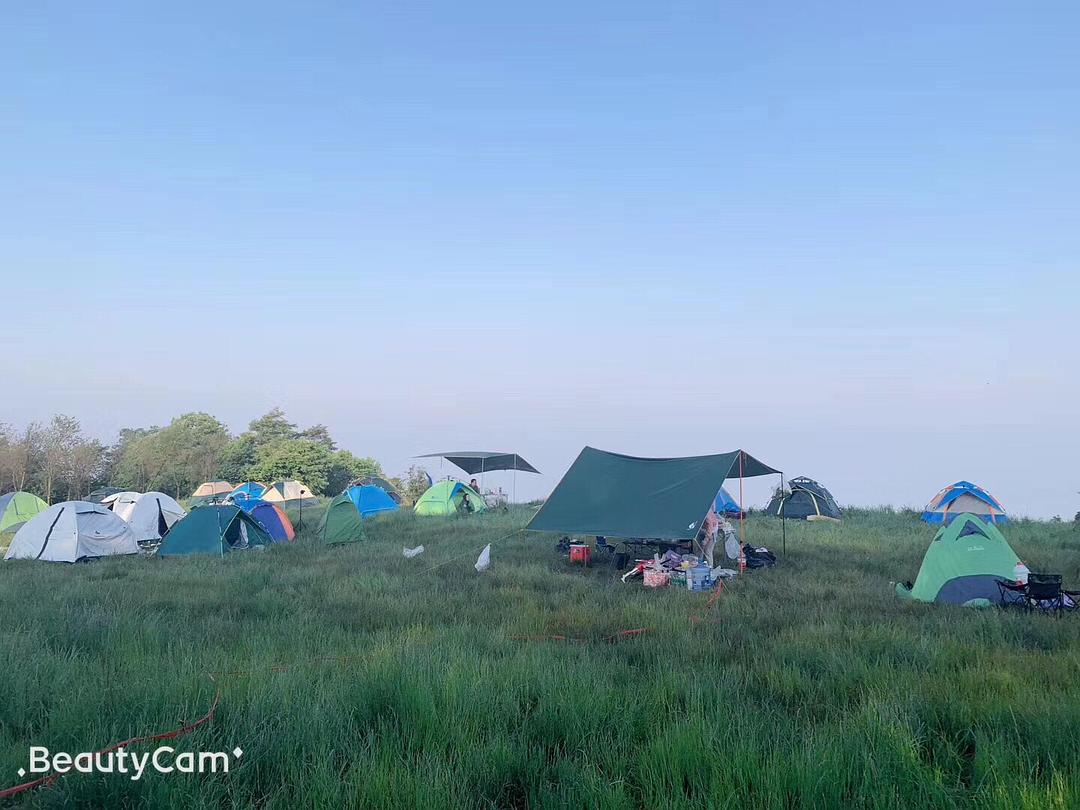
pixel 580 553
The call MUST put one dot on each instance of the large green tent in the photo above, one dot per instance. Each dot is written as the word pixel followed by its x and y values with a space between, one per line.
pixel 15 509
pixel 341 523
pixel 216 530
pixel 448 498
pixel 613 495
pixel 963 565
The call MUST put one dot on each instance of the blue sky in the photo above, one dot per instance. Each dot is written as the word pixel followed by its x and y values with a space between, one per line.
pixel 840 235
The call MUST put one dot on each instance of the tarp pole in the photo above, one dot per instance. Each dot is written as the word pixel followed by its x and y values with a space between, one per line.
pixel 742 517
pixel 783 515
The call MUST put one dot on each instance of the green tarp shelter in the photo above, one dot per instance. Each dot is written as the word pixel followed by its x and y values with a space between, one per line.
pixel 216 530
pixel 963 565
pixel 613 495
pixel 448 498
pixel 341 523
pixel 15 509
pixel 479 461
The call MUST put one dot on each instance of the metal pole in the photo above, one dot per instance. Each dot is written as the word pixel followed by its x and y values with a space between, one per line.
pixel 783 514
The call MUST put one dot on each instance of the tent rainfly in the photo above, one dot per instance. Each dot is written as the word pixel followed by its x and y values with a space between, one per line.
pixel 964 497
pixel 212 488
pixel 216 530
pixel 806 499
pixel 16 508
pixel 449 498
pixel 284 492
pixel 271 517
pixel 72 531
pixel 965 562
pixel 150 514
pixel 614 495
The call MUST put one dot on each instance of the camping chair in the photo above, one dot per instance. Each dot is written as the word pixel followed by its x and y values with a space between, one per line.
pixel 1012 594
pixel 1044 592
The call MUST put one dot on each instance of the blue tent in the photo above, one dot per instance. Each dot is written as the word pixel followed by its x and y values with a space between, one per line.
pixel 964 497
pixel 371 500
pixel 249 489
pixel 270 517
pixel 726 505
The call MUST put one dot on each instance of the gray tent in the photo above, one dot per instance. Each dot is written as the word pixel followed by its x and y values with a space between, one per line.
pixel 72 531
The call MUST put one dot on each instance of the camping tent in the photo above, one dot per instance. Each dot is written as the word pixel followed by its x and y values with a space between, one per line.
pixel 212 488
pixel 15 509
pixel 726 505
pixel 613 495
pixel 150 514
pixel 963 565
pixel 120 496
pixel 285 492
pixel 216 529
pixel 271 517
pixel 805 499
pixel 448 498
pixel 371 500
pixel 72 531
pixel 341 523
pixel 101 493
pixel 964 497
pixel 248 489
pixel 378 481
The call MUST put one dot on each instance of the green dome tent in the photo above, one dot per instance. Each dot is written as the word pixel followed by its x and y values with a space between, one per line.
pixel 341 523
pixel 963 565
pixel 15 509
pixel 448 498
pixel 215 530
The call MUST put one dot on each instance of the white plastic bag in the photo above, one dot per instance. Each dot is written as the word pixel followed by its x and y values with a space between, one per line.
pixel 483 562
pixel 412 552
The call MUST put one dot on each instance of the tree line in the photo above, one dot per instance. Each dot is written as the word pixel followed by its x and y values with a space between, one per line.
pixel 57 461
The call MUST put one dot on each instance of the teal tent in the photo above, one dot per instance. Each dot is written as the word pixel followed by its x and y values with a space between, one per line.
pixel 614 495
pixel 216 530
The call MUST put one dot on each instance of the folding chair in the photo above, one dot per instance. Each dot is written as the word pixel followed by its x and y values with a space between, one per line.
pixel 1044 593
pixel 1012 595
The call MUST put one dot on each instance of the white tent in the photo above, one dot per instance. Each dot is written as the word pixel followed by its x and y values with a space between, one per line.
pixel 150 515
pixel 71 531
pixel 118 500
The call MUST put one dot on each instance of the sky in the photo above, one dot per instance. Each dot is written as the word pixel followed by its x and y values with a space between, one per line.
pixel 842 236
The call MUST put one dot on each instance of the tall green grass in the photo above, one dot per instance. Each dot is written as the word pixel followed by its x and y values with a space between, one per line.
pixel 810 685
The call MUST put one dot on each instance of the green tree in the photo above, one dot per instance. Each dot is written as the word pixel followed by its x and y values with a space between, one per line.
pixel 415 484
pixel 238 457
pixel 59 441
pixel 272 427
pixel 174 459
pixel 319 434
pixel 346 468
pixel 298 459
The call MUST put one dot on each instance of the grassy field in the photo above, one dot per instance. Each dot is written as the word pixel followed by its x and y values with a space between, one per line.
pixel 810 685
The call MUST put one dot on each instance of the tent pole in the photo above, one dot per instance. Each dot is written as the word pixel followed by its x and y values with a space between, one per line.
pixel 783 515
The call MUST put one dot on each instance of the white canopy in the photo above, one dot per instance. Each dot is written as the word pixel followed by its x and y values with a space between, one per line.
pixel 71 531
pixel 151 515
